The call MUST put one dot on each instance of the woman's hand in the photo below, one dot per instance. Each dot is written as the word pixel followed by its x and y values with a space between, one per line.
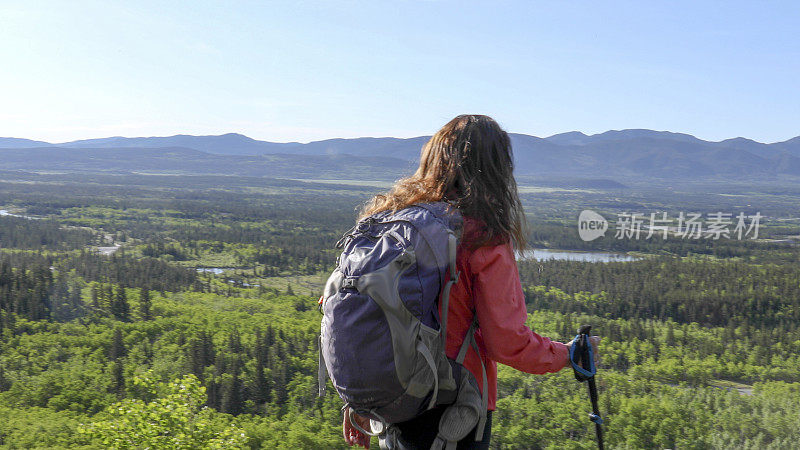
pixel 595 341
pixel 351 434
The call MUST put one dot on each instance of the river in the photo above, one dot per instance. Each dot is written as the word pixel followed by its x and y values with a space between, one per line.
pixel 544 254
pixel 5 212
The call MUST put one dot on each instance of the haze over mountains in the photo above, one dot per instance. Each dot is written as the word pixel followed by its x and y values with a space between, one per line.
pixel 614 155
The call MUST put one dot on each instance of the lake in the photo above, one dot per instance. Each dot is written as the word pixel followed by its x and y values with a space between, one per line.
pixel 543 254
pixel 214 270
pixel 220 270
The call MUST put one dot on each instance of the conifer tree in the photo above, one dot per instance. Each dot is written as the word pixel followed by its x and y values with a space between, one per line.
pixel 118 382
pixel 117 349
pixel 145 304
pixel 120 308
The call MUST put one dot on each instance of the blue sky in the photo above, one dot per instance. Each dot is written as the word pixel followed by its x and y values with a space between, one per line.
pixel 301 70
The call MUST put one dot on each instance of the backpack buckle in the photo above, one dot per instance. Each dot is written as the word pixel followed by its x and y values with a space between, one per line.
pixel 364 225
pixel 350 283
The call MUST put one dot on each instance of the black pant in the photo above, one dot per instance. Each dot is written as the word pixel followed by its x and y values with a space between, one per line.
pixel 420 432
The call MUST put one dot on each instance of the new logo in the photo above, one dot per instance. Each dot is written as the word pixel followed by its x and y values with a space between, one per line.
pixel 591 225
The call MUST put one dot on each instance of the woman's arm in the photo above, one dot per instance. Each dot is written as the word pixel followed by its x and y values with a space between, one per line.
pixel 500 306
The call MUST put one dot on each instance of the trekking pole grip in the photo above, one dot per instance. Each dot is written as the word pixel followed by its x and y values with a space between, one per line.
pixel 581 355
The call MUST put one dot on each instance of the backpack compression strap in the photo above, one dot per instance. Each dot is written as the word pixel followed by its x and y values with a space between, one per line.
pixel 446 438
pixel 322 371
pixel 469 341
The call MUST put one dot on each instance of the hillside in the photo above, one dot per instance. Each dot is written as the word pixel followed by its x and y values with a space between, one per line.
pixel 139 308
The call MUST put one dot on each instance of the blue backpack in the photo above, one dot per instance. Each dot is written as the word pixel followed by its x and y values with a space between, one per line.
pixel 382 342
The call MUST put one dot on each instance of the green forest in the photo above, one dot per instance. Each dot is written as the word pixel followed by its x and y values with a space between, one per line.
pixel 181 312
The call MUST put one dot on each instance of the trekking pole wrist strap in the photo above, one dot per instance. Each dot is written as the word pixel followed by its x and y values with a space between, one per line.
pixel 581 345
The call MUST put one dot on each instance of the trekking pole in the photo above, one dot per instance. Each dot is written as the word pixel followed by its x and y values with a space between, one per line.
pixel 581 355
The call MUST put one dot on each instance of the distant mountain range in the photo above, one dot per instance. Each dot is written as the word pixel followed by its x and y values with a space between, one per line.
pixel 613 155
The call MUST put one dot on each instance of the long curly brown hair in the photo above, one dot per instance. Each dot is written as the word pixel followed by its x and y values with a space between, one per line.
pixel 470 165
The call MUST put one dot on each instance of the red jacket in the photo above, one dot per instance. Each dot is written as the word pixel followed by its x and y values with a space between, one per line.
pixel 489 285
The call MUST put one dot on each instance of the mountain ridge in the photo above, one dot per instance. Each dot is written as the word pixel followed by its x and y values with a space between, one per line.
pixel 123 141
pixel 618 154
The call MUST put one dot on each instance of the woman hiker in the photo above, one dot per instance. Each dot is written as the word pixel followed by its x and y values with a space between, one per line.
pixel 469 165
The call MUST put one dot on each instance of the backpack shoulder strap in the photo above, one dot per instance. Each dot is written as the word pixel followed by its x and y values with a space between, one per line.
pixel 443 211
pixel 452 247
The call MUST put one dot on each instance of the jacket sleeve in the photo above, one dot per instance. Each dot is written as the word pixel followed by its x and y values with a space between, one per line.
pixel 500 307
